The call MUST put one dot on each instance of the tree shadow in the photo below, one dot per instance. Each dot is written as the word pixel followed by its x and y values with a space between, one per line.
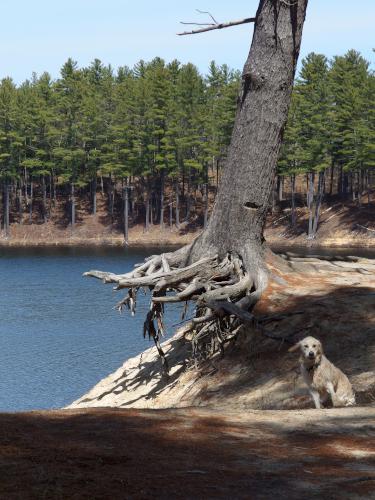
pixel 148 380
pixel 265 375
pixel 187 453
pixel 257 371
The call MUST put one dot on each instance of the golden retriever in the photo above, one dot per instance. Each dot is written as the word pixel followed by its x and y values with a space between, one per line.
pixel 323 379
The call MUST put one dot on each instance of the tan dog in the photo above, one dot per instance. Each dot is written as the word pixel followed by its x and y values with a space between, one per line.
pixel 323 379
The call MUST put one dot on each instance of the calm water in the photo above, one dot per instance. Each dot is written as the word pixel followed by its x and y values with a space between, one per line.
pixel 59 334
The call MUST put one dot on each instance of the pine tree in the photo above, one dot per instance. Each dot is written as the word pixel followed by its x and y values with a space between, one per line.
pixel 69 152
pixel 11 144
pixel 348 116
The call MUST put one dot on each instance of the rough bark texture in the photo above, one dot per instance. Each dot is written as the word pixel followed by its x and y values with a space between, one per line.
pixel 238 217
pixel 223 270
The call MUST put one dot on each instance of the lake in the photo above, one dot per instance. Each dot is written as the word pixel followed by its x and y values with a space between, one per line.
pixel 59 334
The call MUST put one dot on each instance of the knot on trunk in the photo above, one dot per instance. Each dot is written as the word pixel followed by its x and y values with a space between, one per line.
pixel 251 205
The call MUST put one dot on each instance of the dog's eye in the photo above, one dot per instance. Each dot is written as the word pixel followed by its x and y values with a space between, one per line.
pixel 305 346
pixel 314 345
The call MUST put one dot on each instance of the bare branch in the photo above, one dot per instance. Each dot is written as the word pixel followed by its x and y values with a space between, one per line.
pixel 198 24
pixel 219 26
pixel 209 13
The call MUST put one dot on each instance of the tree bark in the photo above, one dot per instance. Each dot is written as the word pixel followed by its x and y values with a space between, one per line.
pixel 54 191
pixel 6 208
pixel 188 196
pixel 72 206
pixel 293 214
pixel 31 200
pixel 331 179
pixel 318 203
pixel 111 197
pixel 20 202
pixel 162 201
pixel 236 224
pixel 224 269
pixel 171 214
pixel 126 215
pixel 177 189
pixel 310 199
pixel 147 206
pixel 44 190
pixel 94 198
pixel 280 182
pixel 368 187
pixel 205 220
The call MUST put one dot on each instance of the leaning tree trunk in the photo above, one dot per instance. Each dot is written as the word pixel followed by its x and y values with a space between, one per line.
pixel 238 218
pixel 224 269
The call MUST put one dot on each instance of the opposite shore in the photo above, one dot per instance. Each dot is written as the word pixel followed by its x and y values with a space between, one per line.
pixel 46 236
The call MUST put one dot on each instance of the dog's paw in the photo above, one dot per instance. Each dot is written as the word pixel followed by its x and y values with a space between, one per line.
pixel 349 401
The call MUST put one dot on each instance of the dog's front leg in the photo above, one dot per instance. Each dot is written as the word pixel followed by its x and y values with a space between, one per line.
pixel 331 391
pixel 316 397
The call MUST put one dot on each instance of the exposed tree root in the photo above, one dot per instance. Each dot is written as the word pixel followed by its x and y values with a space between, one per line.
pixel 223 290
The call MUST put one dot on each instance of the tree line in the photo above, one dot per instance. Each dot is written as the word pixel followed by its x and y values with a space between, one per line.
pixel 330 134
pixel 153 138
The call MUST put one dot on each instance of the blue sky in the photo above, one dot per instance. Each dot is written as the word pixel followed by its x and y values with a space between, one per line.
pixel 39 35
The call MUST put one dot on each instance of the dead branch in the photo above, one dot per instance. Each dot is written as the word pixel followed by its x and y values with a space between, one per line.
pixel 209 13
pixel 217 26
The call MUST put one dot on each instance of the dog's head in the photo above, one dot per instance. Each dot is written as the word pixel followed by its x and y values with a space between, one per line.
pixel 311 349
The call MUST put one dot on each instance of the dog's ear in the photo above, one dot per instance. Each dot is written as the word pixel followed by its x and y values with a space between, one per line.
pixel 320 350
pixel 294 348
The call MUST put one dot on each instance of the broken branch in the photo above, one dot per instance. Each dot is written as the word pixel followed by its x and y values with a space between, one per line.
pixel 218 26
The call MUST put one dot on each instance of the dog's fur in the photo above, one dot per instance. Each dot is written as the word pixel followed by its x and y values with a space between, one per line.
pixel 323 379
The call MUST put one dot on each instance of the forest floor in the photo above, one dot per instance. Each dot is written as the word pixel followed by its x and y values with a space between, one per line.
pixel 341 225
pixel 188 453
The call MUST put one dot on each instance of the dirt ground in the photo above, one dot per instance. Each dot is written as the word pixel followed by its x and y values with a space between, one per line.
pixel 333 301
pixel 188 453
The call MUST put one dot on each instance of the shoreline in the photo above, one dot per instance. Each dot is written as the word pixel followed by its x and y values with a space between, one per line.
pixel 176 242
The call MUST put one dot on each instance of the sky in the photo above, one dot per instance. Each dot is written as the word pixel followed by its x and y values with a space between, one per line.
pixel 40 35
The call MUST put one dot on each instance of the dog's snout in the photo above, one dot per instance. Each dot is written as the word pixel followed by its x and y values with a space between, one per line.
pixel 311 354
